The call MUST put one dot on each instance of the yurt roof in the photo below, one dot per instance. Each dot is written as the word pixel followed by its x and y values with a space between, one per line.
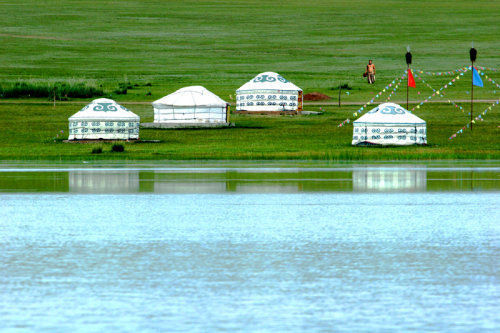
pixel 269 81
pixel 389 113
pixel 104 109
pixel 193 96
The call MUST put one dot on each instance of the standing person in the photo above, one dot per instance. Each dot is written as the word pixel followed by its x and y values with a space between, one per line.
pixel 370 72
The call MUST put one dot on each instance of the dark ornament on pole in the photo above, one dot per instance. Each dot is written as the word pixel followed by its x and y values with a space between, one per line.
pixel 473 54
pixel 408 58
pixel 408 63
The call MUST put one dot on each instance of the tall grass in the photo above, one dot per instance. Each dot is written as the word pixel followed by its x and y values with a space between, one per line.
pixel 60 90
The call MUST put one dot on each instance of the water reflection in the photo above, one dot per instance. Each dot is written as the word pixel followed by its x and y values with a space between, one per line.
pixel 84 181
pixel 410 179
pixel 385 178
pixel 247 181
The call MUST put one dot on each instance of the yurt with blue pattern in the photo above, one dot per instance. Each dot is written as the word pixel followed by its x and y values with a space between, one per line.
pixel 269 92
pixel 104 119
pixel 389 124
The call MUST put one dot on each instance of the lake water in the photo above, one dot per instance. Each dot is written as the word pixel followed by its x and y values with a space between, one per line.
pixel 201 248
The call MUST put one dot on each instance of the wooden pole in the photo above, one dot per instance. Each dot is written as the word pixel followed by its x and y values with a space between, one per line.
pixel 471 94
pixel 340 90
pixel 473 55
pixel 408 57
pixel 407 81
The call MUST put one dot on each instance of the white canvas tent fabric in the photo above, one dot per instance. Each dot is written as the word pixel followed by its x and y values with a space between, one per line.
pixel 193 104
pixel 269 91
pixel 104 119
pixel 389 124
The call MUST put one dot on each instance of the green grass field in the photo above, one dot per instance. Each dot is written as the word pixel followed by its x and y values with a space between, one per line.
pixel 317 44
pixel 253 137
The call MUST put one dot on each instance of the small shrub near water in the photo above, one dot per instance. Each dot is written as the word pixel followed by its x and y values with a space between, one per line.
pixel 97 150
pixel 117 148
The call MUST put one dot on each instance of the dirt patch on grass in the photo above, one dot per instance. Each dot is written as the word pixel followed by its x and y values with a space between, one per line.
pixel 316 96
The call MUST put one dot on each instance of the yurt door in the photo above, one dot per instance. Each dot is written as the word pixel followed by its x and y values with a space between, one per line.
pixel 299 108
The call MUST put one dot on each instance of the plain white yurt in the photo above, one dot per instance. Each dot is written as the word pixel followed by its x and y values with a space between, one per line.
pixel 389 124
pixel 269 92
pixel 104 119
pixel 193 104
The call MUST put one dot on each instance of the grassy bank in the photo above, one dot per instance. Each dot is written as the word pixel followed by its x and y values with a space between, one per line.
pixel 33 132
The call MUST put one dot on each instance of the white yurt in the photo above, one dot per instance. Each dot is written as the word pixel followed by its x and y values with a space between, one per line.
pixel 389 124
pixel 104 119
pixel 193 104
pixel 269 92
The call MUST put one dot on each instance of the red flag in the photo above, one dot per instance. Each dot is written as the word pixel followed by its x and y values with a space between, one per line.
pixel 411 80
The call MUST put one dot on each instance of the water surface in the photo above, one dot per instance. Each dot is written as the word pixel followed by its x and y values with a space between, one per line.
pixel 365 248
pixel 249 178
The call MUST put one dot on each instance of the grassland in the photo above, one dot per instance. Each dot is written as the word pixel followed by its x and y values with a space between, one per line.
pixel 221 45
pixel 38 137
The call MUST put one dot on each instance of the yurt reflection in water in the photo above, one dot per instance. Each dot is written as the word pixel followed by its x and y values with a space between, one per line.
pixel 104 181
pixel 220 182
pixel 188 187
pixel 404 179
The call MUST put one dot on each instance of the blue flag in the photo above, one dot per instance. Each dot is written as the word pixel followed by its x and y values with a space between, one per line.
pixel 476 79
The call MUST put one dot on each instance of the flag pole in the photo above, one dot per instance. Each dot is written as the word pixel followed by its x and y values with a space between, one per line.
pixel 471 94
pixel 407 83
pixel 473 55
pixel 408 63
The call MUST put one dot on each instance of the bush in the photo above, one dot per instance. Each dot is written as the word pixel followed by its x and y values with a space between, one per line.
pixel 97 150
pixel 125 85
pixel 117 148
pixel 343 86
pixel 123 88
pixel 120 91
